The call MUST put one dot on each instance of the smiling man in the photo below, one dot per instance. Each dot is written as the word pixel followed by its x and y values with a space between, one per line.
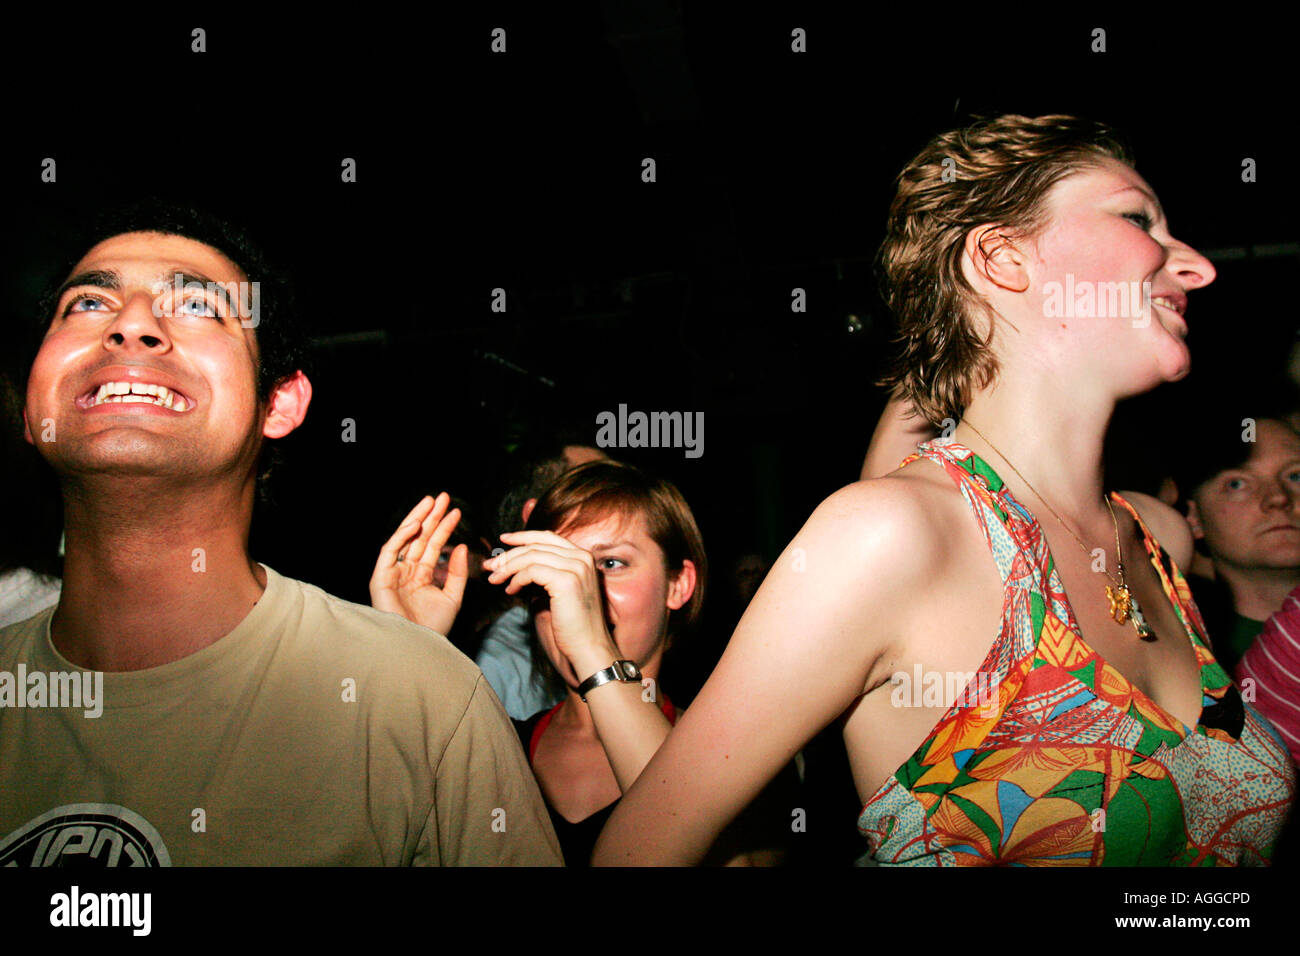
pixel 247 718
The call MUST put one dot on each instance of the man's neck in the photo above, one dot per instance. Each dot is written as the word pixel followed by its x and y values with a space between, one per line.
pixel 1258 593
pixel 154 572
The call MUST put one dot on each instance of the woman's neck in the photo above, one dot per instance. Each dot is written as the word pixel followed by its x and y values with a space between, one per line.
pixel 1050 435
pixel 574 716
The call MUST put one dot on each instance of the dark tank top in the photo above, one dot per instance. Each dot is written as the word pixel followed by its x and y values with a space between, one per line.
pixel 577 840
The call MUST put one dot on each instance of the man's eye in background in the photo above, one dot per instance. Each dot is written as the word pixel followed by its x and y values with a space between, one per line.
pixel 1140 218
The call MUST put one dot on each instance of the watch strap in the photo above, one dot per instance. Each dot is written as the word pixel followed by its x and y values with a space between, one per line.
pixel 622 671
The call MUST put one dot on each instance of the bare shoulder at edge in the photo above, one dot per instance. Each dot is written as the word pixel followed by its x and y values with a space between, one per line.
pixel 1168 526
pixel 895 526
pixel 873 552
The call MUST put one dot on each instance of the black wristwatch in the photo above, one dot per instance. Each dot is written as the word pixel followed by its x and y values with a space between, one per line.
pixel 625 671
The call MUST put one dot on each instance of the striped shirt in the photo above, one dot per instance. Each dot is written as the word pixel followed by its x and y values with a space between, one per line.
pixel 1273 665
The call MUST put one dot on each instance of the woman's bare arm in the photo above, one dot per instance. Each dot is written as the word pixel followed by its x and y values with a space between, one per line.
pixel 800 656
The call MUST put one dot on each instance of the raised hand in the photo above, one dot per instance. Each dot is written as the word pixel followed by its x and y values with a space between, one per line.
pixel 402 581
pixel 569 576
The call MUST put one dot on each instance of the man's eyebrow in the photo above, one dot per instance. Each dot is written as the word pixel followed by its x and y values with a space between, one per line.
pixel 171 276
pixel 111 279
pixel 100 278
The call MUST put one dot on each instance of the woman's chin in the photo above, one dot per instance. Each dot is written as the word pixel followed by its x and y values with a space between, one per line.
pixel 1173 362
pixel 1179 364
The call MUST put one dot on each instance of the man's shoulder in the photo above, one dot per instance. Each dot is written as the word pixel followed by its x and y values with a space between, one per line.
pixel 16 639
pixel 372 640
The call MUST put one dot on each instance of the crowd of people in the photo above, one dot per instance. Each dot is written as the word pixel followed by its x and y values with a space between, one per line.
pixel 501 701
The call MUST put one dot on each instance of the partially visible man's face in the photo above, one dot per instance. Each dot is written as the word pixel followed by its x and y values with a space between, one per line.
pixel 1250 516
pixel 575 455
pixel 190 373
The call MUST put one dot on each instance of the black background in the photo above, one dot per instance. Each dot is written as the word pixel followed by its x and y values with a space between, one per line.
pixel 522 171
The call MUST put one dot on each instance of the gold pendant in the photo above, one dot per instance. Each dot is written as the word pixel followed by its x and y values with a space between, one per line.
pixel 1121 603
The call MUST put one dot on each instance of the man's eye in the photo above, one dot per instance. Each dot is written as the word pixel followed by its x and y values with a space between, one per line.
pixel 1140 218
pixel 200 307
pixel 611 564
pixel 1235 484
pixel 83 303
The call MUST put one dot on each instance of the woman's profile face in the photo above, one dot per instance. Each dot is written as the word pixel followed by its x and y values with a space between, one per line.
pixel 637 586
pixel 1108 282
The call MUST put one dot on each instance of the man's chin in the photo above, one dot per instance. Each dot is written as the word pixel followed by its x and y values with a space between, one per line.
pixel 123 455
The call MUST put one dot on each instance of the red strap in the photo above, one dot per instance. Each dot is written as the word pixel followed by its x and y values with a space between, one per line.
pixel 665 705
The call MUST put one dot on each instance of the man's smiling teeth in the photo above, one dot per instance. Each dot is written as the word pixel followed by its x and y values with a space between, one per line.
pixel 1168 303
pixel 111 393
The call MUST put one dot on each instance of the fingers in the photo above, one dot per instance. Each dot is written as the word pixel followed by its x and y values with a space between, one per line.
pixel 513 564
pixel 457 574
pixel 430 521
pixel 537 537
pixel 416 514
pixel 393 546
pixel 551 578
pixel 438 537
pixel 540 541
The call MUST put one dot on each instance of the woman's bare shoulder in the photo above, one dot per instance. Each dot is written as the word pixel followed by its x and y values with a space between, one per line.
pixel 899 522
pixel 1168 526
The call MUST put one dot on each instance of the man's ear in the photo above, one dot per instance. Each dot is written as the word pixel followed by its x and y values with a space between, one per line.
pixel 1194 520
pixel 682 586
pixel 287 406
pixel 991 256
pixel 27 428
pixel 527 509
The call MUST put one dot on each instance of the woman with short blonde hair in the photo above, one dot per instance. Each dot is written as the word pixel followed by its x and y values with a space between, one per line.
pixel 1019 669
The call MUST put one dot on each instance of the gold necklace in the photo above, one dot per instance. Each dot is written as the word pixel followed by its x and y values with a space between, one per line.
pixel 1123 605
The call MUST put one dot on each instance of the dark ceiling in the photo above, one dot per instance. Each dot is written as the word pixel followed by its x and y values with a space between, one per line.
pixel 522 171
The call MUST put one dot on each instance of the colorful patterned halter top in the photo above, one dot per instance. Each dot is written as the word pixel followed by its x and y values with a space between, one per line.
pixel 1064 762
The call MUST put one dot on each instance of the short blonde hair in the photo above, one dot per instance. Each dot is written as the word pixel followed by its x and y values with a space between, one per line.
pixel 998 170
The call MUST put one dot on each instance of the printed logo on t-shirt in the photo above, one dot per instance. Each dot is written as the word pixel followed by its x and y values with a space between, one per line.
pixel 92 835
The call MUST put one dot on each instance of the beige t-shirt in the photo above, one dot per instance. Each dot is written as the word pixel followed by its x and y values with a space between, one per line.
pixel 317 732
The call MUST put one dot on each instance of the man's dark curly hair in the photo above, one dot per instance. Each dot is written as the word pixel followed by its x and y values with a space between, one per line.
pixel 281 341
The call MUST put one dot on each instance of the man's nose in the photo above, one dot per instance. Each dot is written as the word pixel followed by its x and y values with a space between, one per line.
pixel 136 327
pixel 1278 494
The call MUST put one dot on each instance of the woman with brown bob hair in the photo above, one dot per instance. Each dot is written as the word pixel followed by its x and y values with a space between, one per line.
pixel 613 564
pixel 1017 664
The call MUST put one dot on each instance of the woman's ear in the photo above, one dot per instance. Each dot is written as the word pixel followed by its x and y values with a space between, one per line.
pixel 682 586
pixel 992 256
